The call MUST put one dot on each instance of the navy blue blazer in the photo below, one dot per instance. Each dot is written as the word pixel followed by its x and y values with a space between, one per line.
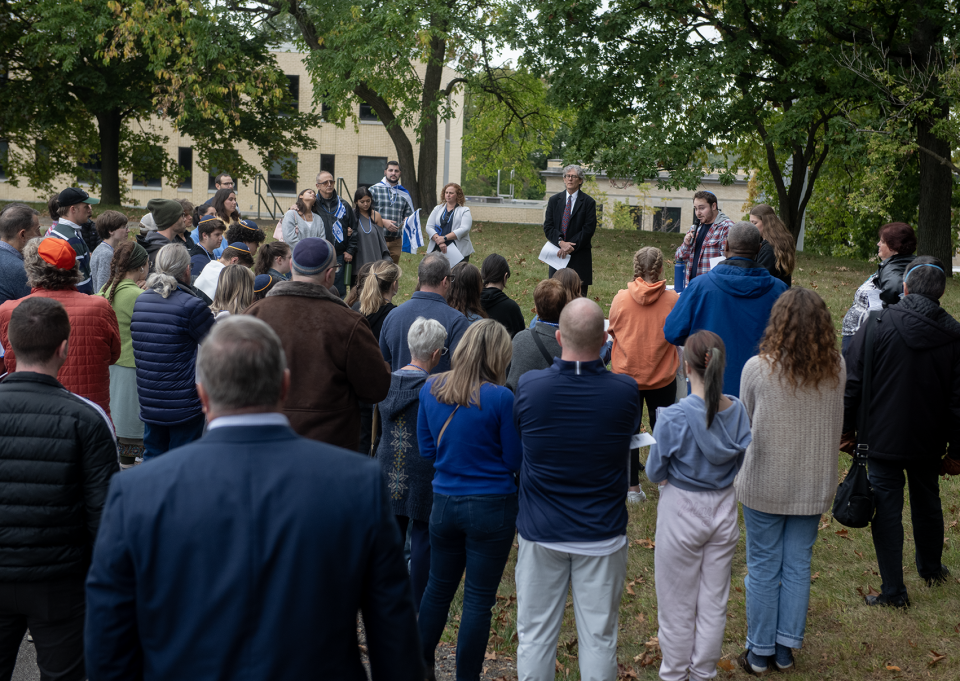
pixel 246 555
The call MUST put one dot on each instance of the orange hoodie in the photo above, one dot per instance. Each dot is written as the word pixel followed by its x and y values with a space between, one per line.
pixel 640 350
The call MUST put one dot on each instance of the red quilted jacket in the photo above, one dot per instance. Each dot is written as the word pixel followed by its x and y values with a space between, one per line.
pixel 94 343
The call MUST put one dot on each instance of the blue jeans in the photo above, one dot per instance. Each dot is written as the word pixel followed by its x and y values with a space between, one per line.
pixel 158 440
pixel 473 533
pixel 779 548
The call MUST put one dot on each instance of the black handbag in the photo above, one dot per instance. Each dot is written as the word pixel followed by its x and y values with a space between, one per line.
pixel 854 504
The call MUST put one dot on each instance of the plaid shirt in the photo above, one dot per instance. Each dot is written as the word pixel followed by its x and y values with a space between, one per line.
pixel 391 206
pixel 713 245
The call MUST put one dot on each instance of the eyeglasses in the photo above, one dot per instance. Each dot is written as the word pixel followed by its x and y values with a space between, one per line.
pixel 324 183
pixel 571 177
pixel 444 351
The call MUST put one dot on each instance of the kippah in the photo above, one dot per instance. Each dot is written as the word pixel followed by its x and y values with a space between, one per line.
pixel 249 224
pixel 238 246
pixel 926 264
pixel 208 218
pixel 262 282
pixel 313 255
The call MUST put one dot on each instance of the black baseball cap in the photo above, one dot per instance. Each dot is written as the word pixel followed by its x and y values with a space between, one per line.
pixel 71 196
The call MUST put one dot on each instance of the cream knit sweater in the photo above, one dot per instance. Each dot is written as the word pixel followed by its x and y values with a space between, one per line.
pixel 791 465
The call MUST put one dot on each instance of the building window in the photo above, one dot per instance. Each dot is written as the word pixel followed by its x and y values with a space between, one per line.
pixel 148 175
pixel 278 183
pixel 666 220
pixel 294 85
pixel 185 160
pixel 328 163
pixel 92 169
pixel 367 113
pixel 636 212
pixel 4 152
pixel 370 170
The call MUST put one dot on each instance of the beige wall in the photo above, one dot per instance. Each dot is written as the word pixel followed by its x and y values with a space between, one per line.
pixel 347 144
pixel 525 215
pixel 730 198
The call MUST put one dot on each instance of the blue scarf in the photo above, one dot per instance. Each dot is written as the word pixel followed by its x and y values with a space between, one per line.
pixel 337 227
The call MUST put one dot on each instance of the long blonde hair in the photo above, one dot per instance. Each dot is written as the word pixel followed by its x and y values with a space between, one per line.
pixel 234 290
pixel 482 356
pixel 381 277
pixel 775 232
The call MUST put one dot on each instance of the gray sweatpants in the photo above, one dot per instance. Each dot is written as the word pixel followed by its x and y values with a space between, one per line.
pixel 697 533
pixel 543 579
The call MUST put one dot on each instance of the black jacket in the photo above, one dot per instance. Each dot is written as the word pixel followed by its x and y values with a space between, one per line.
pixel 915 396
pixel 498 305
pixel 890 277
pixel 767 257
pixel 583 223
pixel 57 454
pixel 326 209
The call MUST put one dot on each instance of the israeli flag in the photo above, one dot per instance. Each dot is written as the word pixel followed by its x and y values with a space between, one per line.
pixel 412 233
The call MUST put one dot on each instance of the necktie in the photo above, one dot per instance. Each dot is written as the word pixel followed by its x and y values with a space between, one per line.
pixel 566 217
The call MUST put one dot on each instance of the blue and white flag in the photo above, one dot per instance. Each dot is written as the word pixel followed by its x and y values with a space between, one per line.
pixel 412 233
pixel 337 227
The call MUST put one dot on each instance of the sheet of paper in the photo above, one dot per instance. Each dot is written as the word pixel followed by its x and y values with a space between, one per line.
pixel 641 440
pixel 873 300
pixel 716 261
pixel 548 256
pixel 453 254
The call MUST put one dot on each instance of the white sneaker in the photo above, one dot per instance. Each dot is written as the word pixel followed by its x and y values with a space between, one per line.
pixel 636 497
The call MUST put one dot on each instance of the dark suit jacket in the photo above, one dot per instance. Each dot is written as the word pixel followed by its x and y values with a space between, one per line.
pixel 247 554
pixel 583 223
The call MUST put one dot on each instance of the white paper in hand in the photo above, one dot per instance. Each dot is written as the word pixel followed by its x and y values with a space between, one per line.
pixel 873 300
pixel 716 261
pixel 453 254
pixel 641 440
pixel 548 256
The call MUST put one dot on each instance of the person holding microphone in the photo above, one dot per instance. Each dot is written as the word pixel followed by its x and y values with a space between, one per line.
pixel 706 239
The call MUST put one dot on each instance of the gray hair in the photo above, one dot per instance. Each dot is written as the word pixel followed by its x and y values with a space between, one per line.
pixel 743 237
pixel 170 268
pixel 425 337
pixel 241 364
pixel 15 217
pixel 577 169
pixel 925 276
pixel 433 268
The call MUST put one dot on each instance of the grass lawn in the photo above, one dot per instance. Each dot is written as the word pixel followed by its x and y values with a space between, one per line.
pixel 844 639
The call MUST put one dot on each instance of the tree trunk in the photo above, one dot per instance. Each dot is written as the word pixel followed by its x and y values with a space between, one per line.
pixel 934 235
pixel 427 163
pixel 110 124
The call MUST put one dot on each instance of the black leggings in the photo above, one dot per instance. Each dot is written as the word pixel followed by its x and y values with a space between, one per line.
pixel 660 397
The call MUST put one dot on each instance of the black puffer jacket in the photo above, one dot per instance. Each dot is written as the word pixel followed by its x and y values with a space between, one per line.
pixel 890 277
pixel 57 454
pixel 915 397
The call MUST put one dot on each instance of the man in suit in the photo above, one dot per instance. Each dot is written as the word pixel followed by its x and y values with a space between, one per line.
pixel 569 225
pixel 249 552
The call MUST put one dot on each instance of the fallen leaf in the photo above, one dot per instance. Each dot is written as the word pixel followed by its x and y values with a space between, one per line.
pixel 892 668
pixel 645 543
pixel 653 645
pixel 814 576
pixel 641 619
pixel 560 667
pixel 726 665
pixel 630 589
pixel 871 591
pixel 625 672
pixel 911 643
pixel 858 555
pixel 936 657
pixel 490 656
pixel 737 588
pixel 843 534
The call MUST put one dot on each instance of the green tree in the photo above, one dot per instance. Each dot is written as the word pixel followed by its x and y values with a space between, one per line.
pixel 391 56
pixel 85 81
pixel 696 87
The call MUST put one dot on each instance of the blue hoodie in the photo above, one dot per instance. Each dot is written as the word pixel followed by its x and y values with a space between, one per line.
pixel 733 300
pixel 693 457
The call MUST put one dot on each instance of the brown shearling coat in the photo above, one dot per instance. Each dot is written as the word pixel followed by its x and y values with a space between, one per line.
pixel 333 358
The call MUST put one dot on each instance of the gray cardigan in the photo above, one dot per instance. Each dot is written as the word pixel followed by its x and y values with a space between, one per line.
pixel 526 354
pixel 791 465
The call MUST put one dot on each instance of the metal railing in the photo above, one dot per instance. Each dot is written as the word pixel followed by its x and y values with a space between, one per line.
pixel 275 211
pixel 344 191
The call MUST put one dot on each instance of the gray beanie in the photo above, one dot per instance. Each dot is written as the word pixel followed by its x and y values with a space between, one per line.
pixel 165 212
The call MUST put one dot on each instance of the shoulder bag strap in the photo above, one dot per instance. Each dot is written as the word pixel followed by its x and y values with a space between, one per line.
pixel 373 430
pixel 863 434
pixel 444 429
pixel 543 348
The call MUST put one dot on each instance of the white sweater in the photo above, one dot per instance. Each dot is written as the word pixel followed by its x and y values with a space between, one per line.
pixel 791 465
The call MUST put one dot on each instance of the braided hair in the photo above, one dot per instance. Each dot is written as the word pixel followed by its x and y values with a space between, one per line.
pixel 119 266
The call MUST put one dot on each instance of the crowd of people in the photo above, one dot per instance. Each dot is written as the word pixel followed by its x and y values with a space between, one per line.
pixel 249 382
